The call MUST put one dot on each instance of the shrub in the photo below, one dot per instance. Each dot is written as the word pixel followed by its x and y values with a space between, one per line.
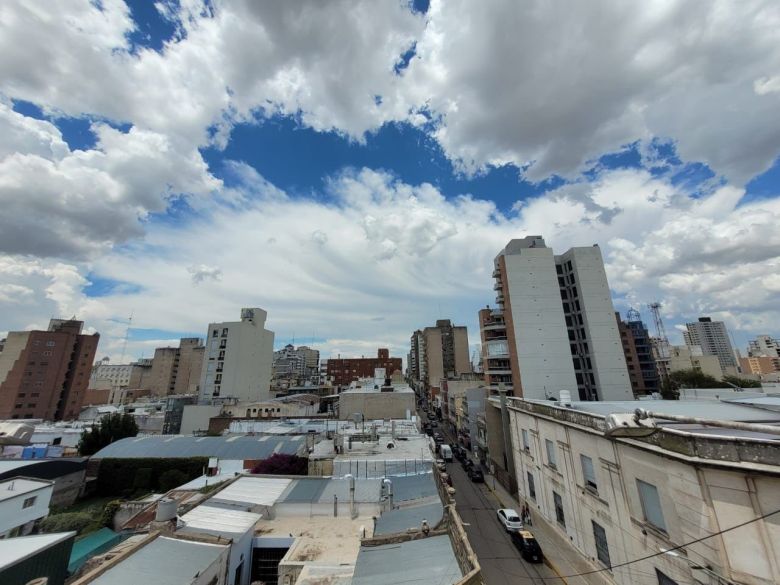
pixel 281 464
pixel 109 511
pixel 67 521
pixel 119 477
pixel 171 479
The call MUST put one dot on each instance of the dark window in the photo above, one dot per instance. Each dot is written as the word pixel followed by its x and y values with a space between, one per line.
pixel 568 321
pixel 564 294
pixel 29 502
pixel 663 579
pixel 580 381
pixel 531 486
pixel 651 504
pixel 589 473
pixel 559 269
pixel 561 282
pixel 600 538
pixel 559 509
pixel 571 335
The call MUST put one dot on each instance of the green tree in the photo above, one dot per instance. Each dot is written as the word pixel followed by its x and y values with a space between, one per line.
pixel 282 464
pixel 171 479
pixel 695 379
pixel 110 428
pixel 742 382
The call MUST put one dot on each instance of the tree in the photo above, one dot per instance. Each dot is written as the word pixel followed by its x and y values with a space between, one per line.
pixel 742 382
pixel 281 464
pixel 171 479
pixel 695 379
pixel 110 428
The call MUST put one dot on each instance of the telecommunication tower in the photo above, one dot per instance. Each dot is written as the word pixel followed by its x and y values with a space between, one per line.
pixel 633 315
pixel 127 334
pixel 659 324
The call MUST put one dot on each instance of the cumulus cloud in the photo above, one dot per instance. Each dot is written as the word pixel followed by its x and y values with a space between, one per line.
pixel 698 255
pixel 203 272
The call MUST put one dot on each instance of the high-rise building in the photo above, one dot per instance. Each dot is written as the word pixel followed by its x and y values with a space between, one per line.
pixel 343 371
pixel 713 339
pixel 177 370
pixel 764 346
pixel 118 378
pixel 438 353
pixel 638 351
pixel 45 374
pixel 295 366
pixel 238 359
pixel 554 325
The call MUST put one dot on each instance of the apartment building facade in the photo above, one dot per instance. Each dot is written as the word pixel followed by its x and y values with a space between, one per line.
pixel 343 371
pixel 623 502
pixel 553 327
pixel 638 351
pixel 713 339
pixel 45 374
pixel 177 370
pixel 438 353
pixel 764 346
pixel 237 365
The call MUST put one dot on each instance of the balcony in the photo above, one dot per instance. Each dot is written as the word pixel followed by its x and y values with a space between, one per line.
pixel 502 371
pixel 498 285
pixel 494 327
pixel 496 273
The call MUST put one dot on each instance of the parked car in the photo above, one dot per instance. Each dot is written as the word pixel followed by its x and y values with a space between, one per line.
pixel 528 546
pixel 446 452
pixel 467 463
pixel 434 424
pixel 476 475
pixel 510 519
pixel 458 452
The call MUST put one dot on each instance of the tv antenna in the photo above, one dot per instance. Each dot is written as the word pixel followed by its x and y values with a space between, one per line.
pixel 127 334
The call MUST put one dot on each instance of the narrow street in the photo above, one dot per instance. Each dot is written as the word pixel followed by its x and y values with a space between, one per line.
pixel 500 561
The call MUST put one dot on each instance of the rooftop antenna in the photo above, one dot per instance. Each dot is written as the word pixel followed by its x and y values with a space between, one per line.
pixel 127 334
pixel 633 315
pixel 659 324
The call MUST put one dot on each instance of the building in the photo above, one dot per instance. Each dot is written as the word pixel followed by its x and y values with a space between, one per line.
pixel 23 503
pixel 296 405
pixel 67 476
pixel 295 367
pixel 177 370
pixel 437 353
pixel 41 558
pixel 45 374
pixel 691 357
pixel 764 346
pixel 709 493
pixel 238 360
pixel 760 365
pixel 343 371
pixel 174 411
pixel 554 326
pixel 713 339
pixel 376 398
pixel 122 381
pixel 638 351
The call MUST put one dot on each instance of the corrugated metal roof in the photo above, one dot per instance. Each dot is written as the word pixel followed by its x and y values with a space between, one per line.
pixel 233 447
pixel 253 491
pixel 366 490
pixel 164 561
pixel 14 550
pixel 304 490
pixel 219 520
pixel 429 560
pixel 413 487
pixel 401 519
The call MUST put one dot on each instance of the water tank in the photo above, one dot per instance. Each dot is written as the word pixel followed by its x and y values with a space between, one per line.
pixel 565 398
pixel 166 510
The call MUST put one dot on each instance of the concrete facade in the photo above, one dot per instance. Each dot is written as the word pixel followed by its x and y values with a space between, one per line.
pixel 619 500
pixel 23 503
pixel 713 339
pixel 553 327
pixel 764 346
pixel 691 357
pixel 45 374
pixel 238 360
pixel 343 371
pixel 376 404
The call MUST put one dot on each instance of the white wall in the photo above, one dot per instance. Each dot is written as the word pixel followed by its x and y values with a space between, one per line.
pixel 541 338
pixel 12 511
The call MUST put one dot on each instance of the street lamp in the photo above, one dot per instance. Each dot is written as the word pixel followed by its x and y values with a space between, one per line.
pixel 695 566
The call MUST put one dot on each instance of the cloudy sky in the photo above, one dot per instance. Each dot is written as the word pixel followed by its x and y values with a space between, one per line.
pixel 353 167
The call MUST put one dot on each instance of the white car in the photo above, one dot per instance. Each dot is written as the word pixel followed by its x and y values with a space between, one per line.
pixel 510 519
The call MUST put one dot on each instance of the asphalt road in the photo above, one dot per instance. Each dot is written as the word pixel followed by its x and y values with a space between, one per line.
pixel 500 560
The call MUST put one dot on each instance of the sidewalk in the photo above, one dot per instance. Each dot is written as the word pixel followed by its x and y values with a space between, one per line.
pixel 559 554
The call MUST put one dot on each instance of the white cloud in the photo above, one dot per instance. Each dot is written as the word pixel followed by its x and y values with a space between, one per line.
pixel 702 255
pixel 203 272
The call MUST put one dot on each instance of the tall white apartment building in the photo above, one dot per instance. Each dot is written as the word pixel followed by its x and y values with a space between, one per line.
pixel 238 360
pixel 554 325
pixel 713 338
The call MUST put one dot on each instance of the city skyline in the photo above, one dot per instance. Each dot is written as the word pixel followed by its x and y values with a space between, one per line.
pixel 153 166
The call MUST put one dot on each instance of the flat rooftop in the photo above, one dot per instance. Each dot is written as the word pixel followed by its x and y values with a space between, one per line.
pixel 231 447
pixel 19 486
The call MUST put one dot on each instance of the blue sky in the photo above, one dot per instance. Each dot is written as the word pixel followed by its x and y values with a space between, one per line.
pixel 355 171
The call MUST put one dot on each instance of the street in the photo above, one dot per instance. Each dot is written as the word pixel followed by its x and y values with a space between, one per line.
pixel 500 560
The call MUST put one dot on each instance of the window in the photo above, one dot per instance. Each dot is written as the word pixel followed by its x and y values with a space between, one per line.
pixel 223 343
pixel 651 504
pixel 663 579
pixel 559 509
pixel 215 333
pixel 29 502
pixel 526 444
pixel 588 473
pixel 224 332
pixel 531 486
pixel 49 344
pixel 550 453
pixel 602 550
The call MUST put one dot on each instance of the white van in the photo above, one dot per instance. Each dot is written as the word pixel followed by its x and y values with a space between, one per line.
pixel 446 452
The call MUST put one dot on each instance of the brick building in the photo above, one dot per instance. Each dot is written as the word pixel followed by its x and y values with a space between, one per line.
pixel 45 374
pixel 343 371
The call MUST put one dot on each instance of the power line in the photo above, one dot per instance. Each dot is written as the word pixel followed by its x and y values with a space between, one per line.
pixel 672 549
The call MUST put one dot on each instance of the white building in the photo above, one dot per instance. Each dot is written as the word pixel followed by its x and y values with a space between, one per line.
pixel 710 494
pixel 23 503
pixel 238 359
pixel 554 327
pixel 764 346
pixel 713 338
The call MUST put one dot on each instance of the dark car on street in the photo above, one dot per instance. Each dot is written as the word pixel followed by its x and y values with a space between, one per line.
pixel 468 464
pixel 527 545
pixel 476 475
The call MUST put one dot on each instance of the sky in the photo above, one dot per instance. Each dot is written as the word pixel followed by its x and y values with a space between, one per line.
pixel 353 167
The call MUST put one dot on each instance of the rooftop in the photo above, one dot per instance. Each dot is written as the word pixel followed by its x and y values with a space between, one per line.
pixel 428 560
pixel 164 561
pixel 14 550
pixel 19 486
pixel 252 491
pixel 218 520
pixel 229 447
